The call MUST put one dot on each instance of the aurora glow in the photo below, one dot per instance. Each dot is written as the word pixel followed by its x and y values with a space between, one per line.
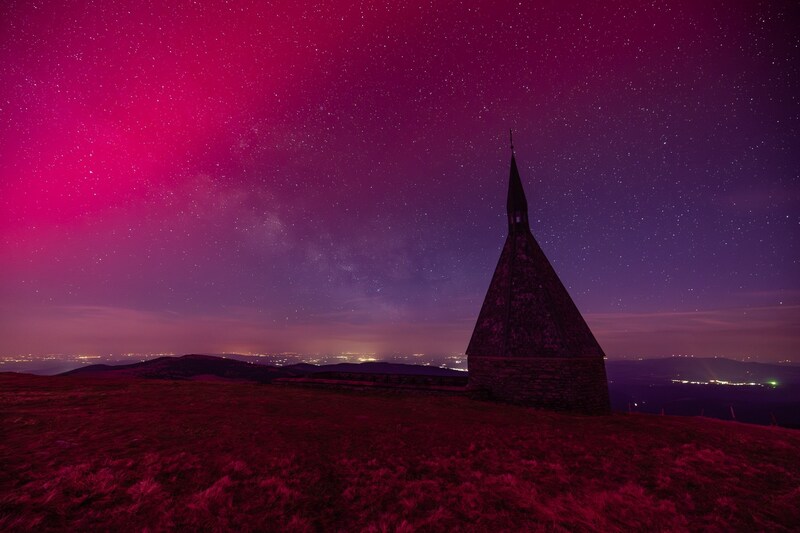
pixel 243 176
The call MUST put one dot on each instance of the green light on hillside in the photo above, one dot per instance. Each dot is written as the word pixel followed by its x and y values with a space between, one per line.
pixel 773 383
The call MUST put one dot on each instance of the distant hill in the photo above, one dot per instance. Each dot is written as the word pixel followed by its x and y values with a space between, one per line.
pixel 199 367
pixel 759 393
pixel 188 367
pixel 641 371
pixel 701 369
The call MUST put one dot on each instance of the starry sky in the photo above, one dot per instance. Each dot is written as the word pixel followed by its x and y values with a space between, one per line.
pixel 270 176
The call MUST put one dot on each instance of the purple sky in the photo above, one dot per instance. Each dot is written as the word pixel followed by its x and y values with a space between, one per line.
pixel 238 176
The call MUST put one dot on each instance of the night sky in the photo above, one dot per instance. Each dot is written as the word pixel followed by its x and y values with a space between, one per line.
pixel 263 176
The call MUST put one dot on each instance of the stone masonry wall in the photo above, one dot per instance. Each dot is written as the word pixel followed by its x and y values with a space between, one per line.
pixel 576 384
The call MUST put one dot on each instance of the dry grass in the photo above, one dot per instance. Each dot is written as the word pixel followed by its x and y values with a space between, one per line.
pixel 78 454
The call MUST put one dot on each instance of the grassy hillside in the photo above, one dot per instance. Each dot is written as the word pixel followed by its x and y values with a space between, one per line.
pixel 80 453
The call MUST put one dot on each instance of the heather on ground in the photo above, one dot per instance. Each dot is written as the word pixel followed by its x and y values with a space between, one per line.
pixel 126 454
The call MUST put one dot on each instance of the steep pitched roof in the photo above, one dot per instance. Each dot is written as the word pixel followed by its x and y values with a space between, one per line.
pixel 516 194
pixel 527 311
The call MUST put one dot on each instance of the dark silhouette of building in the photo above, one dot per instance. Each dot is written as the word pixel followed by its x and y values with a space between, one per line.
pixel 531 345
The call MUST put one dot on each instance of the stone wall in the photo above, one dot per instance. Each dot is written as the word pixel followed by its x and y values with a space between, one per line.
pixel 576 384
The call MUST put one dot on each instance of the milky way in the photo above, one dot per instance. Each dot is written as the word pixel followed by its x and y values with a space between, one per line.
pixel 248 176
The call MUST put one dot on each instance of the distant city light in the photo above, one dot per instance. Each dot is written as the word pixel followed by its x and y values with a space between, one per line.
pixel 723 382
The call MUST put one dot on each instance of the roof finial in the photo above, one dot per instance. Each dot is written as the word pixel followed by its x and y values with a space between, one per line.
pixel 511 136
